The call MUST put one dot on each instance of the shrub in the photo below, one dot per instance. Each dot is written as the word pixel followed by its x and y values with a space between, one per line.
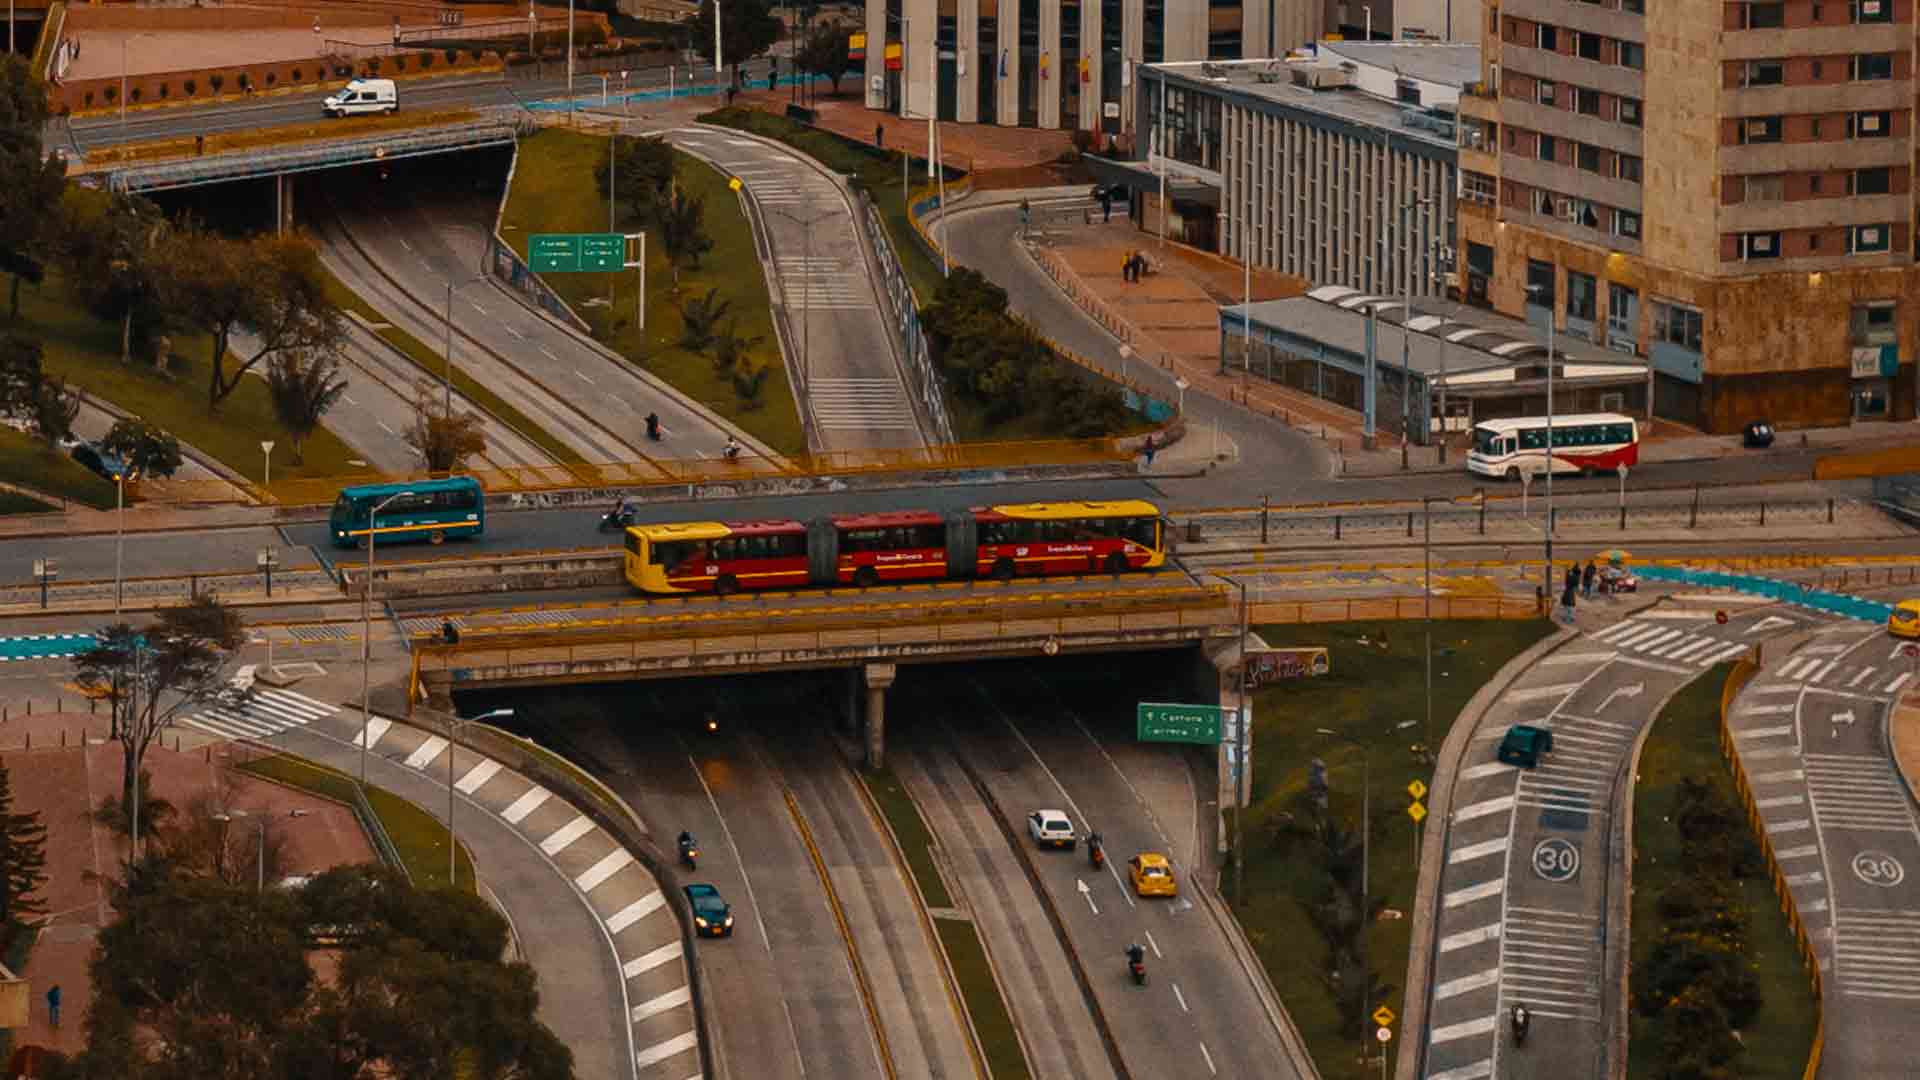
pixel 453 56
pixel 426 61
pixel 244 81
pixel 294 75
pixel 215 81
pixel 191 86
pixel 166 91
pixel 373 65
pixel 112 94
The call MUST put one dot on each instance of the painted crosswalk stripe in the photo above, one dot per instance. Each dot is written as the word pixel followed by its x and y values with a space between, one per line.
pixel 525 804
pixel 1797 667
pixel 1577 658
pixel 1802 851
pixel 1467 938
pixel 1714 657
pixel 1693 647
pixel 1764 710
pixel 1466 984
pixel 375 728
pixel 261 714
pixel 610 864
pixel 1478 851
pixel 424 754
pixel 1472 893
pixel 1898 682
pixel 477 776
pixel 655 1006
pixel 661 1051
pixel 1826 669
pixel 1860 677
pixel 563 837
pixel 1479 1070
pixel 1465 1030
pixel 1483 808
pixel 861 404
pixel 1614 631
pixel 647 961
pixel 1540 693
pixel 636 911
pixel 1487 768
pixel 1672 648
pixel 1763 732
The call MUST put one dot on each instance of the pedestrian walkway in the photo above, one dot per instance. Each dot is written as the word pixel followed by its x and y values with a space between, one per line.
pixel 262 714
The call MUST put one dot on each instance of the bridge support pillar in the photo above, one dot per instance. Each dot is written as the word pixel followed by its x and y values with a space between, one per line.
pixel 282 203
pixel 879 677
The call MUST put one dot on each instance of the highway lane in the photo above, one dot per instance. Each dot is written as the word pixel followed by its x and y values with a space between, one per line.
pixel 1530 905
pixel 1810 729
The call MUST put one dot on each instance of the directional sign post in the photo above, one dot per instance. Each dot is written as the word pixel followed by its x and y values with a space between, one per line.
pixel 1161 722
pixel 569 253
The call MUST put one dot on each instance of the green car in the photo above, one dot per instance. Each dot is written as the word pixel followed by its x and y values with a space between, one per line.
pixel 1524 745
pixel 711 915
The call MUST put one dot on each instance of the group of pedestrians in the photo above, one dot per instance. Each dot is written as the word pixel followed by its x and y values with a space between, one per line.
pixel 1134 266
pixel 1578 584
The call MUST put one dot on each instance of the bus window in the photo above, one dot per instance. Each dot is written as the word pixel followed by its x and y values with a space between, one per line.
pixel 633 544
pixel 1485 441
pixel 674 553
pixel 1140 530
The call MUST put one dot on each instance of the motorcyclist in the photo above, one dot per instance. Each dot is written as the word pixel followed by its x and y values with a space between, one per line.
pixel 653 426
pixel 1096 849
pixel 733 449
pixel 1521 1021
pixel 686 840
pixel 1137 962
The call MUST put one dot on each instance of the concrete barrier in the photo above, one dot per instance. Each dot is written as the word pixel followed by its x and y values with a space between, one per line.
pixel 567 570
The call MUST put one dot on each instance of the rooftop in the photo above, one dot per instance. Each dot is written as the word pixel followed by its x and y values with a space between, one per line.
pixel 1450 62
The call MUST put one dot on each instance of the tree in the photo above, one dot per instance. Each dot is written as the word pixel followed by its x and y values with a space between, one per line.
pixel 700 319
pixel 147 678
pixel 304 385
pixel 642 174
pixel 824 52
pixel 747 29
pixel 730 347
pixel 23 860
pixel 30 179
pixel 20 358
pixel 750 383
pixel 272 286
pixel 444 440
pixel 147 450
pixel 109 245
pixel 53 409
pixel 683 232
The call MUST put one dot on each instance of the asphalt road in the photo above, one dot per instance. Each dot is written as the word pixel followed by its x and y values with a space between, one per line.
pixel 1530 896
pixel 1811 732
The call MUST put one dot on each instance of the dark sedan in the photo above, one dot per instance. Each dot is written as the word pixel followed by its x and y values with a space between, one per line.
pixel 712 917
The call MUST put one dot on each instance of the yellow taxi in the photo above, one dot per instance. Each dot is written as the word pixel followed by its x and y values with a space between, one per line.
pixel 1152 875
pixel 1905 620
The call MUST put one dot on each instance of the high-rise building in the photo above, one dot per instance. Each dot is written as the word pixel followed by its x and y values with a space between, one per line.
pixel 1725 188
pixel 1058 63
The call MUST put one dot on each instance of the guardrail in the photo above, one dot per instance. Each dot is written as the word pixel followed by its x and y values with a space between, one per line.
pixel 252 165
pixel 912 340
pixel 377 830
pixel 1394 607
pixel 1743 671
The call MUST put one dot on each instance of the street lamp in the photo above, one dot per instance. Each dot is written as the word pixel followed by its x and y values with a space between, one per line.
pixel 1246 286
pixel 1240 739
pixel 1180 383
pixel 1547 572
pixel 446 375
pixel 454 723
pixel 806 286
pixel 120 479
pixel 1366 822
pixel 366 632
pixel 1406 328
pixel 1426 514
pixel 260 865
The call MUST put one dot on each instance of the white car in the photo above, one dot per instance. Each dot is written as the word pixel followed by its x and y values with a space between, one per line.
pixel 1051 828
pixel 363 96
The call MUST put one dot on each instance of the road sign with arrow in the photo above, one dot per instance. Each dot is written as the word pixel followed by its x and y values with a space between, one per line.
pixel 1629 692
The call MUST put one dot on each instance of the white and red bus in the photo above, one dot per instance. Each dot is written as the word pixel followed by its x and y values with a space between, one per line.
pixel 1584 442
pixel 1003 542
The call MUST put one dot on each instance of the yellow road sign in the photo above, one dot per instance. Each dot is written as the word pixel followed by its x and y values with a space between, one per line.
pixel 1383 1016
pixel 1416 812
pixel 733 184
pixel 1417 789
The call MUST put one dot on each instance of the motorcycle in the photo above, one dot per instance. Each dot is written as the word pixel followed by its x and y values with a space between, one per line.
pixel 1096 851
pixel 1137 964
pixel 1521 1021
pixel 653 426
pixel 615 520
pixel 690 855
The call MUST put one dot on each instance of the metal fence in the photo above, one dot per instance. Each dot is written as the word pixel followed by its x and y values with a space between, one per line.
pixel 239 165
pixel 924 379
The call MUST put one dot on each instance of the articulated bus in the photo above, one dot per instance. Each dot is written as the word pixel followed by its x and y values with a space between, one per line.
pixel 1001 542
pixel 431 510
pixel 1591 442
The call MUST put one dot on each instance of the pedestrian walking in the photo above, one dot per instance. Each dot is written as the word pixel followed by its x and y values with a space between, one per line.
pixel 1586 580
pixel 880 138
pixel 1147 449
pixel 53 1004
pixel 1106 206
pixel 1567 599
pixel 1126 267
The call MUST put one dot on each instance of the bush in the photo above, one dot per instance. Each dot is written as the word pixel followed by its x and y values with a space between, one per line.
pixel 166 91
pixel 272 78
pixel 216 81
pixel 453 56
pixel 244 81
pixel 294 75
pixel 426 61
pixel 191 86
pixel 112 94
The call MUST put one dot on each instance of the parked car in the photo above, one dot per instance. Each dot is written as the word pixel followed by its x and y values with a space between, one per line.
pixel 107 466
pixel 1758 435
pixel 712 916
pixel 1152 875
pixel 1051 828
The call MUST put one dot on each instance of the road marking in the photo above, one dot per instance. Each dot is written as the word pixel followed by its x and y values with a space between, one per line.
pixel 1211 1071
pixel 1764 710
pixel 1801 852
pixel 636 911
pixel 563 837
pixel 583 376
pixel 1824 649
pixel 385 428
pixel 1710 659
pixel 1693 647
pixel 655 1006
pixel 1466 984
pixel 1826 669
pixel 1789 826
pixel 1763 732
pixel 1681 616
pixel 1483 808
pixel 1478 851
pixel 610 864
pixel 1578 658
pixel 1464 1030
pixel 1468 938
pixel 1899 682
pixel 477 776
pixel 1811 877
pixel 1540 693
pixel 1655 665
pixel 1472 893
pixel 1182 998
pixel 1154 945
pixel 647 961
pixel 1857 679
pixel 1479 1070
pixel 1616 630
pixel 1689 643
pixel 1487 769
pixel 375 727
pixel 517 335
pixel 661 1051
pixel 549 354
pixel 1796 667
pixel 424 754
pixel 475 306
pixel 1775 688
pixel 524 805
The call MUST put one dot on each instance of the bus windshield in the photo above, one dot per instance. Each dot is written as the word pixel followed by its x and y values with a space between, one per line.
pixel 1485 441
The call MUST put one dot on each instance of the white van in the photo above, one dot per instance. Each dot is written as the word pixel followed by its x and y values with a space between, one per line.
pixel 363 96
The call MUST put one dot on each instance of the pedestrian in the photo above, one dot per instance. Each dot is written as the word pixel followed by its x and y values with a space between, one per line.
pixel 880 139
pixel 1566 600
pixel 1106 206
pixel 1147 449
pixel 730 92
pixel 199 145
pixel 1586 580
pixel 53 1004
pixel 1126 267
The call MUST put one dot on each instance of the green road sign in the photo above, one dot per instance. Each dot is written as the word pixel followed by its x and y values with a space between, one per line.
pixel 1160 722
pixel 561 253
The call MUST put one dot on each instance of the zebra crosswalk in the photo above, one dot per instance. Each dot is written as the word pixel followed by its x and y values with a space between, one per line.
pixel 822 283
pixel 1877 952
pixel 1815 667
pixel 862 404
pixel 262 714
pixel 1665 641
pixel 1859 792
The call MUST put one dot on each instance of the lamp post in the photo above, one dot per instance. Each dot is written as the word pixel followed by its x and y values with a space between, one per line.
pixel 366 631
pixel 1246 288
pixel 1366 830
pixel 1406 330
pixel 454 724
pixel 446 371
pixel 226 817
pixel 1426 559
pixel 119 531
pixel 1240 739
pixel 806 287
pixel 1547 572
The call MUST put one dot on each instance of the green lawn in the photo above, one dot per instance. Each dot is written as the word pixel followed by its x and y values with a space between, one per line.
pixel 1371 690
pixel 1685 742
pixel 86 351
pixel 418 836
pixel 553 192
pixel 915 841
pixel 432 366
pixel 27 461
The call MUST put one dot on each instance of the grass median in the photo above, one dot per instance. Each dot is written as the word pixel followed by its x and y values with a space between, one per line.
pixel 553 192
pixel 86 351
pixel 419 837
pixel 1374 695
pixel 432 366
pixel 967 957
pixel 27 461
pixel 1685 745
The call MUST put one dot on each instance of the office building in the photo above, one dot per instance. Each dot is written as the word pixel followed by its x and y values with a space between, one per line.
pixel 1724 189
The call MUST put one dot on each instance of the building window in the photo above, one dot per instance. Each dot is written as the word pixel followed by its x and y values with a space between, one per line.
pixel 1869 67
pixel 1543 92
pixel 1583 296
pixel 1760 245
pixel 1871 181
pixel 1760 129
pixel 1813 128
pixel 1637 7
pixel 1769 16
pixel 1540 280
pixel 1626 223
pixel 1587 46
pixel 1587 157
pixel 1633 56
pixel 1622 309
pixel 1586 102
pixel 1547 148
pixel 1873 323
pixel 1630 111
pixel 1815 182
pixel 1626 167
pixel 1546 37
pixel 1766 188
pixel 1677 325
pixel 1868 238
pixel 1869 125
pixel 1477 188
pixel 1764 73
pixel 1871 11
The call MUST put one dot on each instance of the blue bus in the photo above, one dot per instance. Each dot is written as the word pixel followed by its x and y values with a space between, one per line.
pixel 431 510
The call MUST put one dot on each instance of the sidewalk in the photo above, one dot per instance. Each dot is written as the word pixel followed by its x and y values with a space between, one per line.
pixel 973 147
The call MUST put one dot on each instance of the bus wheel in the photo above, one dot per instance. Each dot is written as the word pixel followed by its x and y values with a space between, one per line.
pixel 1003 570
pixel 1513 474
pixel 1116 563
pixel 866 577
pixel 437 536
pixel 726 585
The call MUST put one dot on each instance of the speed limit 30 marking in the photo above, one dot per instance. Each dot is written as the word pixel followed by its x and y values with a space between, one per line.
pixel 1878 868
pixel 1555 859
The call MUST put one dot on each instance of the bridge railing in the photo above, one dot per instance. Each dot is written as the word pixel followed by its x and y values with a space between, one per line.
pixel 914 350
pixel 411 142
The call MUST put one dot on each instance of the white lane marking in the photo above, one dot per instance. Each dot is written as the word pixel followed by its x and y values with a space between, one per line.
pixel 385 428
pixel 476 307
pixel 583 376
pixel 661 1051
pixel 609 865
pixel 647 961
pixel 1616 630
pixel 1478 851
pixel 1468 938
pixel 477 776
pixel 657 1005
pixel 549 354
pixel 1663 650
pixel 1899 682
pixel 1712 658
pixel 426 752
pixel 1578 658
pixel 1466 984
pixel 1211 1071
pixel 1482 809
pixel 525 804
pixel 1826 669
pixel 1763 732
pixel 1466 1030
pixel 636 911
pixel 1154 945
pixel 1780 800
pixel 1800 852
pixel 349 400
pixel 404 244
pixel 563 837
pixel 1540 693
pixel 1764 710
pixel 1182 998
pixel 1489 768
pixel 1859 678
pixel 517 335
pixel 1471 893
pixel 1479 1070
pixel 375 728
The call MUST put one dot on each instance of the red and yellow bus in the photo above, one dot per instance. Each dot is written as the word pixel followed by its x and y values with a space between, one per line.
pixel 1002 542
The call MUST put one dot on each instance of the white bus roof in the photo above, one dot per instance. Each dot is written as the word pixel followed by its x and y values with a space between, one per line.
pixel 1576 420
